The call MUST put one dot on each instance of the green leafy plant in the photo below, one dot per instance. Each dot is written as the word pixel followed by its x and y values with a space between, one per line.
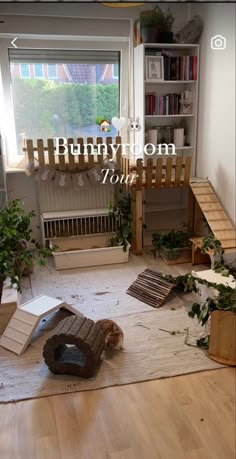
pixel 212 244
pixel 184 283
pixel 225 301
pixel 170 240
pixel 123 214
pixel 156 17
pixel 168 21
pixel 15 236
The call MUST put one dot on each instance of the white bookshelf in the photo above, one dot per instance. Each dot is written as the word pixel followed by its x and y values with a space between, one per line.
pixel 175 201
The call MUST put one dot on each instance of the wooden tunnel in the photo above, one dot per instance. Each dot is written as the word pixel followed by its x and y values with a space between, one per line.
pixel 74 347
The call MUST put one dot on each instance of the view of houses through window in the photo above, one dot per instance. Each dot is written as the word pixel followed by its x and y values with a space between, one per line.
pixel 64 99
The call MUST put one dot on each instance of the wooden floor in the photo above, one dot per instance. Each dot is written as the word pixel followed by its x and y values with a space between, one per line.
pixel 190 417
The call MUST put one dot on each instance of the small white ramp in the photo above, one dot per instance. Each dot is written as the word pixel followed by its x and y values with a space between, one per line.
pixel 23 323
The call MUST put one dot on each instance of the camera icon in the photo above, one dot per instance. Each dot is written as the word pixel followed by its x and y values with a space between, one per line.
pixel 218 42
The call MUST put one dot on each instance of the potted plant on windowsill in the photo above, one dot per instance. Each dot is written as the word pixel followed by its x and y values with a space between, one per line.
pixel 173 246
pixel 17 248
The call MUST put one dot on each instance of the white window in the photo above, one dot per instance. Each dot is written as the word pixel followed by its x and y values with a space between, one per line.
pixel 70 107
pixel 38 70
pixel 52 71
pixel 24 70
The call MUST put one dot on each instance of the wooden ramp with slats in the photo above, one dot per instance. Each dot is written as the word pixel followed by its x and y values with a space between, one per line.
pixel 219 222
pixel 25 320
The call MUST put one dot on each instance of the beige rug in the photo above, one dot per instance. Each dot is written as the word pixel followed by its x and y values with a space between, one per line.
pixel 149 353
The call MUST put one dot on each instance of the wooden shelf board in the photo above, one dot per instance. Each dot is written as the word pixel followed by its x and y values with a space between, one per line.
pixel 169 81
pixel 169 116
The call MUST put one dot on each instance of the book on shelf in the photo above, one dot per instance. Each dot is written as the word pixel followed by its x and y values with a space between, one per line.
pixel 168 104
pixel 180 68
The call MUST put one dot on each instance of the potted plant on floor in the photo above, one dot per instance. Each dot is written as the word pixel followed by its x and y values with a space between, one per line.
pixel 173 246
pixel 17 248
pixel 123 214
pixel 220 312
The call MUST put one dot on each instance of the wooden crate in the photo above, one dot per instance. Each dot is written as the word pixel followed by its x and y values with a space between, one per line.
pixel 222 343
pixel 10 301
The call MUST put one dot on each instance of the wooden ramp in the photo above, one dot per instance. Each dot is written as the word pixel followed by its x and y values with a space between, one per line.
pixel 214 213
pixel 25 320
pixel 151 288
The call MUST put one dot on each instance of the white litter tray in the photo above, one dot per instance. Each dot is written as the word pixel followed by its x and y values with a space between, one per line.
pixel 88 250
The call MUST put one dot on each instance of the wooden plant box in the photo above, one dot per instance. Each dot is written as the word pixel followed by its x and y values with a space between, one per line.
pixel 222 342
pixel 176 256
pixel 88 250
pixel 9 303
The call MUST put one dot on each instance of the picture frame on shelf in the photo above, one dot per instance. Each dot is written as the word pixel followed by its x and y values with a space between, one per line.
pixel 154 68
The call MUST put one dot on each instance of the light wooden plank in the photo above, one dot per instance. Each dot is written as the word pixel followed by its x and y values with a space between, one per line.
pixel 90 152
pixel 211 206
pixel 51 153
pixel 100 157
pixel 139 222
pixel 119 152
pixel 109 141
pixel 217 215
pixel 41 156
pixel 158 181
pixel 225 235
pixel 71 157
pixel 228 244
pixel 61 159
pixel 81 163
pixel 139 180
pixel 178 170
pixel 187 170
pixel 149 173
pixel 206 198
pixel 221 225
pixel 29 149
pixel 203 190
pixel 168 173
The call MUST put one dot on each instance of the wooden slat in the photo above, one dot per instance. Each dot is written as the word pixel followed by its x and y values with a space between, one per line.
pixel 149 173
pixel 90 152
pixel 100 157
pixel 70 156
pixel 211 206
pixel 228 243
pixel 40 148
pixel 30 149
pixel 51 155
pixel 206 198
pixel 221 225
pixel 195 185
pixel 109 141
pixel 187 170
pixel 81 161
pixel 119 152
pixel 62 162
pixel 139 180
pixel 168 173
pixel 178 170
pixel 203 190
pixel 226 235
pixel 215 215
pixel 159 164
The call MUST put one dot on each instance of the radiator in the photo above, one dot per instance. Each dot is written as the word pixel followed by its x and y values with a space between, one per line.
pixel 76 223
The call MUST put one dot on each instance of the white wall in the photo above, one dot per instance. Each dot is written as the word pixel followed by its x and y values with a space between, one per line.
pixel 216 129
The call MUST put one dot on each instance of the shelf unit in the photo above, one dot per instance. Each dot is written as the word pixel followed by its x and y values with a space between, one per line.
pixel 174 200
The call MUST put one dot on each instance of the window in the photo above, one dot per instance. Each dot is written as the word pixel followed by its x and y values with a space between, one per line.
pixel 52 71
pixel 71 106
pixel 115 71
pixel 38 70
pixel 24 70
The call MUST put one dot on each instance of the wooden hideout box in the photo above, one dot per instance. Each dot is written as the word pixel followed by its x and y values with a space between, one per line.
pixel 10 301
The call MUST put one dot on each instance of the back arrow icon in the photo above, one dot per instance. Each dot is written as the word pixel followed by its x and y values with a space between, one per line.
pixel 13 42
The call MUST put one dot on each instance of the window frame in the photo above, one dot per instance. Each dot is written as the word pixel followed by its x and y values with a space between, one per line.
pixel 121 44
